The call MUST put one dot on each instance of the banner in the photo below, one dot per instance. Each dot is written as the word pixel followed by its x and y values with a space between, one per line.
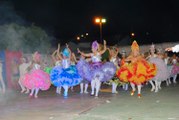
pixel 12 68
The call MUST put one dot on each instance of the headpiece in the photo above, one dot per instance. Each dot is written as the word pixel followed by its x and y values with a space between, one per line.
pixel 134 46
pixel 95 45
pixel 152 47
pixel 66 52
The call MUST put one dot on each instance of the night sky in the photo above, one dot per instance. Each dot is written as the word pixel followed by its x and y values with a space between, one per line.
pixel 151 20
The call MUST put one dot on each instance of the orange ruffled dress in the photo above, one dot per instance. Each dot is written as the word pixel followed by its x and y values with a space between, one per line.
pixel 137 72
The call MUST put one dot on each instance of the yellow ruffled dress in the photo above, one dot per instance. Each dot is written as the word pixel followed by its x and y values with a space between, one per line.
pixel 137 72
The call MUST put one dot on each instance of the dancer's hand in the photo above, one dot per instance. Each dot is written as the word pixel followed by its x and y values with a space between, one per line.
pixel 58 45
pixel 104 41
pixel 168 49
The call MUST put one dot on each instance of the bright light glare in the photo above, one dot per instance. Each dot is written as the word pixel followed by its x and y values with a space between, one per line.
pixel 97 20
pixel 103 20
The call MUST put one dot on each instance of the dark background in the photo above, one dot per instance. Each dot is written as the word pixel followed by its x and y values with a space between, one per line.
pixel 151 20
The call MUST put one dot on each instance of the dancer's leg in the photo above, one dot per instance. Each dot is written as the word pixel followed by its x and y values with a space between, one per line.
pixel 36 92
pixel 86 88
pixel 174 79
pixel 133 88
pixel 22 87
pixel 81 87
pixel 98 85
pixel 152 84
pixel 32 92
pixel 65 90
pixel 139 90
pixel 92 86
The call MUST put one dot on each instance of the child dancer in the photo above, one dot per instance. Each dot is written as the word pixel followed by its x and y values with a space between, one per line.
pixel 96 71
pixel 23 70
pixel 162 71
pixel 66 75
pixel 136 70
pixel 84 83
pixel 36 79
pixel 56 57
pixel 113 58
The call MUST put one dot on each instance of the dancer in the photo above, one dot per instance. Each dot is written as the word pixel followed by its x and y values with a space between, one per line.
pixel 175 68
pixel 136 70
pixel 66 75
pixel 1 78
pixel 36 79
pixel 162 71
pixel 23 70
pixel 56 57
pixel 113 58
pixel 96 71
pixel 125 85
pixel 173 49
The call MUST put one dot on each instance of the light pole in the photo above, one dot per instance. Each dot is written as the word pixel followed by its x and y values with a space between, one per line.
pixel 100 21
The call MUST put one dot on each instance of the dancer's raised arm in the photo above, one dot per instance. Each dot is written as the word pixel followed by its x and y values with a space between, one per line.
pixel 53 55
pixel 84 54
pixel 104 49
pixel 58 52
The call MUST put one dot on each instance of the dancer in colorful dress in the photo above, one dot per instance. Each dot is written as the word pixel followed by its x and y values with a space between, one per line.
pixel 113 58
pixel 162 70
pixel 175 68
pixel 66 75
pixel 96 71
pixel 1 78
pixel 125 85
pixel 23 70
pixel 36 79
pixel 56 57
pixel 136 70
pixel 84 83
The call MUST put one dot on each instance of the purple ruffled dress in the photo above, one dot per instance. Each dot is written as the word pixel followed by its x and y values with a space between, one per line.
pixel 96 69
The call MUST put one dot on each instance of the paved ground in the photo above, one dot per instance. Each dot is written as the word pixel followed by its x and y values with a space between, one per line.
pixel 163 105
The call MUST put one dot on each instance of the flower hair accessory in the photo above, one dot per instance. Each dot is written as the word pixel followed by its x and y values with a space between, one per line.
pixel 95 45
pixel 134 46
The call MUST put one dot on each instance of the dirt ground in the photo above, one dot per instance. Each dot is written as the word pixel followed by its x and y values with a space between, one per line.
pixel 163 105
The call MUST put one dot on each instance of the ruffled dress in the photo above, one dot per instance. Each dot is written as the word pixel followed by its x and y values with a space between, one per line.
pixel 162 71
pixel 37 78
pixel 175 68
pixel 137 72
pixel 65 75
pixel 96 69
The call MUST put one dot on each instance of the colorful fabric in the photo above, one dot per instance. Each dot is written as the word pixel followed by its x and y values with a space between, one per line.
pixel 137 72
pixel 175 69
pixel 48 69
pixel 37 79
pixel 162 70
pixel 69 76
pixel 102 71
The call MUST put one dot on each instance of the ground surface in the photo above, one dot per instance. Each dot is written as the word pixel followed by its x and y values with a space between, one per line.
pixel 163 105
